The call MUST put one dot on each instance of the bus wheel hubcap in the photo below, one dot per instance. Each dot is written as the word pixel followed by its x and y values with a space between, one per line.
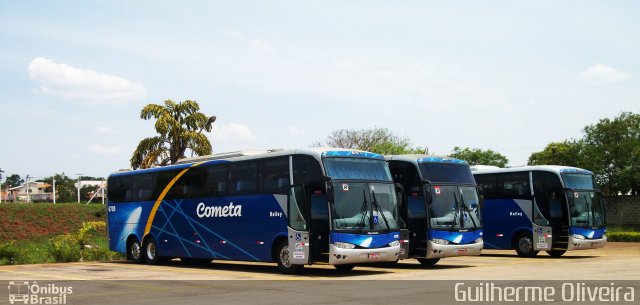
pixel 525 245
pixel 151 251
pixel 284 256
pixel 135 250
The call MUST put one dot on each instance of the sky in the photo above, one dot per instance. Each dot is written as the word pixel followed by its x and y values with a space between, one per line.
pixel 511 76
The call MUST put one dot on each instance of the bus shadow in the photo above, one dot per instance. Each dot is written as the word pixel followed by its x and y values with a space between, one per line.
pixel 515 256
pixel 266 268
pixel 416 266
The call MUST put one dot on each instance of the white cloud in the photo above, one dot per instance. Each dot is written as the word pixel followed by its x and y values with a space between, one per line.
pixel 255 44
pixel 98 149
pixel 104 130
pixel 295 130
pixel 83 85
pixel 233 132
pixel 600 74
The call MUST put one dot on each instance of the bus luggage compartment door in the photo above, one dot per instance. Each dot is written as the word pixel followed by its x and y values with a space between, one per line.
pixel 298 247
pixel 541 238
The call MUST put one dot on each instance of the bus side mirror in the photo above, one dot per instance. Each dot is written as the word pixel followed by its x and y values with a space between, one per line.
pixel 399 188
pixel 330 195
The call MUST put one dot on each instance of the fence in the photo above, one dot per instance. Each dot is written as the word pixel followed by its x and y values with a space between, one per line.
pixel 623 210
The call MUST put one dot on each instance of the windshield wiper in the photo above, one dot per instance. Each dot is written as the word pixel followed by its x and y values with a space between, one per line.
pixel 468 211
pixel 363 211
pixel 455 212
pixel 378 208
pixel 590 215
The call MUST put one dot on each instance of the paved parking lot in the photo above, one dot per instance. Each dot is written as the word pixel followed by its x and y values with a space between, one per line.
pixel 618 261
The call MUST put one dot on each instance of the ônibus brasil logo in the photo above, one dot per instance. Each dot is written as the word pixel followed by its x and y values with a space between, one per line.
pixel 32 293
pixel 229 210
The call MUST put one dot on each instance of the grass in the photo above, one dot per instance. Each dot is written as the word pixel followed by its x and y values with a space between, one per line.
pixel 46 233
pixel 623 233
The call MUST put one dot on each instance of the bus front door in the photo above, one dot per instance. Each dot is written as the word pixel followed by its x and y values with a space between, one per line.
pixel 298 227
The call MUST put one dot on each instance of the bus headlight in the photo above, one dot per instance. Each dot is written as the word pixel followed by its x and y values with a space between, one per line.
pixel 577 236
pixel 342 245
pixel 479 240
pixel 440 241
pixel 394 243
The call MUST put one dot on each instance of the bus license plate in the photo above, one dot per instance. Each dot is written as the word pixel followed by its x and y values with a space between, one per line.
pixel 462 251
pixel 374 255
pixel 594 245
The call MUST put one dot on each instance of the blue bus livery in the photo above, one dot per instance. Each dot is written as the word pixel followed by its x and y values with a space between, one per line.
pixel 541 208
pixel 440 206
pixel 294 207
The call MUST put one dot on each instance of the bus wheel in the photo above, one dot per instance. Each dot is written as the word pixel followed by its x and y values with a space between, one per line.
pixel 428 261
pixel 151 251
pixel 524 246
pixel 556 253
pixel 283 256
pixel 135 251
pixel 344 268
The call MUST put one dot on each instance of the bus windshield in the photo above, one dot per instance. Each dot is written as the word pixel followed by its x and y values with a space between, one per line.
pixel 446 173
pixel 586 209
pixel 357 169
pixel 364 207
pixel 454 207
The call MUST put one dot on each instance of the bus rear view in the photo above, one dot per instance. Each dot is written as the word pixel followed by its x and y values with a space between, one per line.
pixel 542 208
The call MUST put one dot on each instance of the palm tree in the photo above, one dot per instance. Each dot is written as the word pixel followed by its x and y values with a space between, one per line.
pixel 180 127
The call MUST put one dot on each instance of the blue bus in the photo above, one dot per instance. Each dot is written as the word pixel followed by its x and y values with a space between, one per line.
pixel 440 207
pixel 293 207
pixel 541 208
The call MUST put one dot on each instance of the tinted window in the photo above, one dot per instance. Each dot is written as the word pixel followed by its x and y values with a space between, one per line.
pixel 357 169
pixel 514 185
pixel 579 181
pixel 120 189
pixel 217 180
pixel 143 187
pixel 307 172
pixel 163 179
pixel 274 175
pixel 442 172
pixel 488 184
pixel 191 185
pixel 244 177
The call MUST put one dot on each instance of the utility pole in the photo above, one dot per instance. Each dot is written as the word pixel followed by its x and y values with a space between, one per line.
pixel 79 187
pixel 54 189
pixel 27 189
pixel 104 185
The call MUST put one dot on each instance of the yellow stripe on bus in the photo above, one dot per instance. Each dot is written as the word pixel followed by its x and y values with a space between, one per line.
pixel 152 215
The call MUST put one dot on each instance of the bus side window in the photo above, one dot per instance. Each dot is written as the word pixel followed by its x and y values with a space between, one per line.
pixel 514 186
pixel 274 175
pixel 243 177
pixel 216 184
pixel 143 187
pixel 488 184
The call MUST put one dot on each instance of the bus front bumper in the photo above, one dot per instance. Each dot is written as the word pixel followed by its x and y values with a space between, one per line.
pixel 339 256
pixel 582 244
pixel 440 251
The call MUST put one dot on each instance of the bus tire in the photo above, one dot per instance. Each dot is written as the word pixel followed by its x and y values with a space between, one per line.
pixel 524 245
pixel 556 253
pixel 150 250
pixel 344 268
pixel 134 251
pixel 283 259
pixel 428 261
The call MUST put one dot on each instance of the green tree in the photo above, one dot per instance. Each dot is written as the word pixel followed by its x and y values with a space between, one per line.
pixel 378 140
pixel 66 190
pixel 612 151
pixel 1 172
pixel 179 127
pixel 568 153
pixel 13 181
pixel 476 156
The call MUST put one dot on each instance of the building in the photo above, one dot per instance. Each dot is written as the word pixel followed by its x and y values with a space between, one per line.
pixel 31 192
